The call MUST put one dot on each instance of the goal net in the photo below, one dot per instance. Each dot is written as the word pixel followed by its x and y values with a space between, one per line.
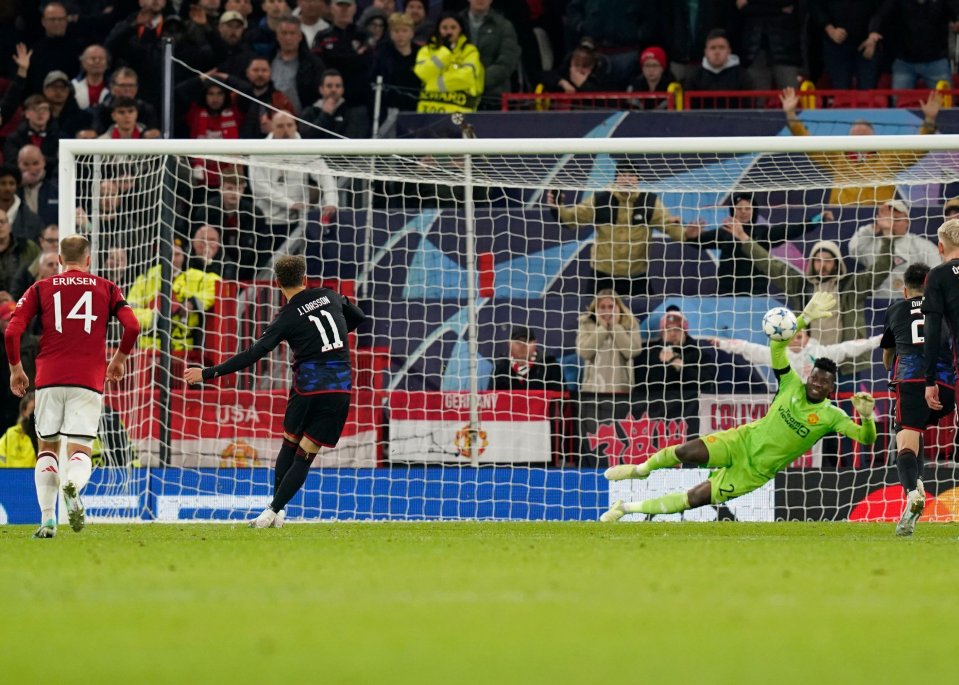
pixel 490 381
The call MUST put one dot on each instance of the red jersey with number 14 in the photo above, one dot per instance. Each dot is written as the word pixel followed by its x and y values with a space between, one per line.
pixel 75 308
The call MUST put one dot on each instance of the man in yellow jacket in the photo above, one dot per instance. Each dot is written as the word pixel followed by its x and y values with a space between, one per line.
pixel 862 167
pixel 18 448
pixel 450 69
pixel 193 291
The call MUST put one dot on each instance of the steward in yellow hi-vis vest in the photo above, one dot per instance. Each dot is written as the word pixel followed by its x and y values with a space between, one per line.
pixel 451 71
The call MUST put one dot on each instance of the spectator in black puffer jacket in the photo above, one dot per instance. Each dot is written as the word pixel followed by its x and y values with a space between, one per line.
pixel 920 32
pixel 845 27
pixel 770 42
pixel 720 70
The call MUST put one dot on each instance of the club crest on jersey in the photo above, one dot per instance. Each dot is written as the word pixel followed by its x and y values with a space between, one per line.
pixel 812 419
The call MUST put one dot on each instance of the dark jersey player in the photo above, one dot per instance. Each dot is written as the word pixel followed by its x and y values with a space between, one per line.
pixel 315 323
pixel 903 351
pixel 74 308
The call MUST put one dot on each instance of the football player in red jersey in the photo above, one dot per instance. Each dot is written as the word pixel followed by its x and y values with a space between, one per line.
pixel 75 308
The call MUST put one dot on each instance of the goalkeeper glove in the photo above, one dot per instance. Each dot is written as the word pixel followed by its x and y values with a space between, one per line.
pixel 863 403
pixel 820 306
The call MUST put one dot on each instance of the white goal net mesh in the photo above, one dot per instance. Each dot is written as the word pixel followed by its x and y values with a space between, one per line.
pixel 490 380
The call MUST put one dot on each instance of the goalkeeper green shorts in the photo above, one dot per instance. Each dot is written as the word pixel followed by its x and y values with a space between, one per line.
pixel 734 475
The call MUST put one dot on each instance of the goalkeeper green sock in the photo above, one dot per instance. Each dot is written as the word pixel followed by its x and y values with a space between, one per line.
pixel 663 459
pixel 672 503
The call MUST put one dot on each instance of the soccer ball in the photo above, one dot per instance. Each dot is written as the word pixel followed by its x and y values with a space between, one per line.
pixel 780 324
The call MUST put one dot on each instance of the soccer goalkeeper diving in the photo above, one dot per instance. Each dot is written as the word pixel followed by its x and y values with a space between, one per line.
pixel 746 457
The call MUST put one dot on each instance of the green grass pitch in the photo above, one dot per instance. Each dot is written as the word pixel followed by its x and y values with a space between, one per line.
pixel 480 603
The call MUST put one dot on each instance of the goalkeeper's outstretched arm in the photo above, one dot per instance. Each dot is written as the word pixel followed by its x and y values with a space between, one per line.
pixel 820 306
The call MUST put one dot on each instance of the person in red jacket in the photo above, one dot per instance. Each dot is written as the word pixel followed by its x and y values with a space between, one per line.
pixel 212 113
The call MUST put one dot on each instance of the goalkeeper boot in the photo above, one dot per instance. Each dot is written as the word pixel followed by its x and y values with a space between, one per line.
pixel 915 503
pixel 71 497
pixel 47 529
pixel 280 519
pixel 264 520
pixel 615 512
pixel 625 472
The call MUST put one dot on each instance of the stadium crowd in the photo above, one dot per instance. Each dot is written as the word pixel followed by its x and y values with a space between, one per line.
pixel 289 69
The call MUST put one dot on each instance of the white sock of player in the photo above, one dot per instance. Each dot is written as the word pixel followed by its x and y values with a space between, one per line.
pixel 79 469
pixel 46 475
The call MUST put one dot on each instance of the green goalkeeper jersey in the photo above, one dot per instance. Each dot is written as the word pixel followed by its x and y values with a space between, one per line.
pixel 793 424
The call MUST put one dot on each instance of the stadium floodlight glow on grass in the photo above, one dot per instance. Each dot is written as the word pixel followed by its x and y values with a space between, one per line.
pixel 447 243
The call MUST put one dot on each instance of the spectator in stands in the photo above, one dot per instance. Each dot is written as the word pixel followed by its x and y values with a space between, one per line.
pixel 65 113
pixel 124 83
pixel 18 445
pixel 579 75
pixel 770 40
pixel 374 26
pixel 113 267
pixel 35 129
pixel 329 115
pixel 892 221
pixel 210 113
pixel 125 113
pixel 495 38
pixel 343 47
pixel 312 15
pixel 624 217
pixel 257 115
pixel 58 48
pixel 672 371
pixel 23 223
pixel 846 51
pixel 232 51
pixel 395 60
pixel 45 265
pixel 90 87
pixel 950 209
pixel 39 193
pixel 15 252
pixel 233 211
pixel 684 27
pixel 383 8
pixel 244 7
pixel 262 37
pixel 450 69
pixel 825 271
pixel 283 195
pixel 737 274
pixel 296 70
pixel 922 46
pixel 619 28
pixel 719 70
pixel 803 351
pixel 207 253
pixel 13 95
pixel 608 339
pixel 852 167
pixel 654 77
pixel 423 26
pixel 135 41
pixel 193 292
pixel 49 247
pixel 525 367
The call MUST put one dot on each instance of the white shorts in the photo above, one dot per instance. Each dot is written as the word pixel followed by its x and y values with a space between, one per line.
pixel 67 411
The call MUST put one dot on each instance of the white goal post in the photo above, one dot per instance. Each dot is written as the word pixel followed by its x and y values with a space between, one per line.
pixel 455 249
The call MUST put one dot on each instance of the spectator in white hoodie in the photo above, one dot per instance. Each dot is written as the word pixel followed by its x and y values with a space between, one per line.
pixel 283 193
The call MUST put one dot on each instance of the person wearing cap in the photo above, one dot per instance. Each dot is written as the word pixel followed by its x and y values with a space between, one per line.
pixel 229 42
pixel 607 341
pixel 525 367
pixel 624 218
pixel 847 168
pixel 892 220
pixel 654 77
pixel 671 372
pixel 64 110
pixel 580 74
pixel 826 272
pixel 736 273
